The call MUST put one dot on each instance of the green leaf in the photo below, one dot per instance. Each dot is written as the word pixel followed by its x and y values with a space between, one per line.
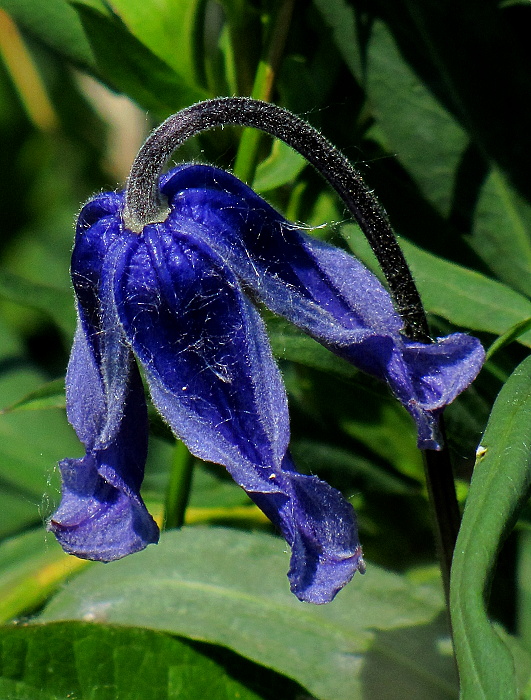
pixel 501 233
pixel 289 343
pixel 500 487
pixel 129 66
pixel 524 588
pixel 31 444
pixel 509 336
pixel 55 23
pixel 282 165
pixel 169 28
pixel 80 660
pixel 49 395
pixel 230 587
pixel 32 565
pixel 341 18
pixel 373 476
pixel 464 297
pixel 426 139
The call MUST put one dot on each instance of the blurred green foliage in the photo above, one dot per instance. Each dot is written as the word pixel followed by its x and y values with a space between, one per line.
pixel 432 101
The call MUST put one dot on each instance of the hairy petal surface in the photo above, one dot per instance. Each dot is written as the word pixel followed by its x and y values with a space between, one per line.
pixel 320 526
pixel 211 375
pixel 325 291
pixel 101 515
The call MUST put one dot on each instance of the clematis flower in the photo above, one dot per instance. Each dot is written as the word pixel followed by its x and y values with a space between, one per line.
pixel 177 299
pixel 171 291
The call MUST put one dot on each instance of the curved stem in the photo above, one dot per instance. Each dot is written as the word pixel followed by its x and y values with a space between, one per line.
pixel 143 204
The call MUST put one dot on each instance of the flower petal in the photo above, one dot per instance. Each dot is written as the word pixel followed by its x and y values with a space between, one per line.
pixel 325 291
pixel 320 526
pixel 212 376
pixel 205 354
pixel 101 515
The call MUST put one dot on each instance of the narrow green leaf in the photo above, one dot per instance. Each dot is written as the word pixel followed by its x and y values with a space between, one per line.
pixel 169 28
pixel 230 587
pixel 55 23
pixel 283 165
pixel 49 395
pixel 129 66
pixel 501 233
pixel 464 297
pixel 341 18
pixel 509 336
pixel 80 660
pixel 418 129
pixel 500 487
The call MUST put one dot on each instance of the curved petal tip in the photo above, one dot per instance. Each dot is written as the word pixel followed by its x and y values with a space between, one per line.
pixel 97 520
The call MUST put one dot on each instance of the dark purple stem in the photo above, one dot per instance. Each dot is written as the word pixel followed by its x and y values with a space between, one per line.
pixel 143 204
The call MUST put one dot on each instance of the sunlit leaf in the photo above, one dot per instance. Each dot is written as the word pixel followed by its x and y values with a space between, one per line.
pixel 169 28
pixel 55 23
pixel 282 166
pixel 129 66
pixel 230 587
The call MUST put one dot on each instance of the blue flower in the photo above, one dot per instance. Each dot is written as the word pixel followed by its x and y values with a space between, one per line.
pixel 177 300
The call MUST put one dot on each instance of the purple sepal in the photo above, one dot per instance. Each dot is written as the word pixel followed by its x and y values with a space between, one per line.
pixel 101 515
pixel 324 291
pixel 320 527
pixel 175 299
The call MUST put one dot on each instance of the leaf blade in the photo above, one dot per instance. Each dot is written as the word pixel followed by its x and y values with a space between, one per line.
pixel 229 587
pixel 464 297
pixel 500 485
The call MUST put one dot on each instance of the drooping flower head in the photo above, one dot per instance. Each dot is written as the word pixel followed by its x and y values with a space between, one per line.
pixel 173 292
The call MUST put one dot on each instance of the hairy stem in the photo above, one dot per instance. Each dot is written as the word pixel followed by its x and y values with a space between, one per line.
pixel 143 204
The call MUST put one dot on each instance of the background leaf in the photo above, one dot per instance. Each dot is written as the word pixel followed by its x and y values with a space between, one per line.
pixel 500 486
pixel 415 126
pixel 230 588
pixel 464 297
pixel 67 660
pixel 55 23
pixel 169 28
pixel 126 64
pixel 501 234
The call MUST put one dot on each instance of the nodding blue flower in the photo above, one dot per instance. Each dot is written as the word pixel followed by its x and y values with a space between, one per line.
pixel 177 300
